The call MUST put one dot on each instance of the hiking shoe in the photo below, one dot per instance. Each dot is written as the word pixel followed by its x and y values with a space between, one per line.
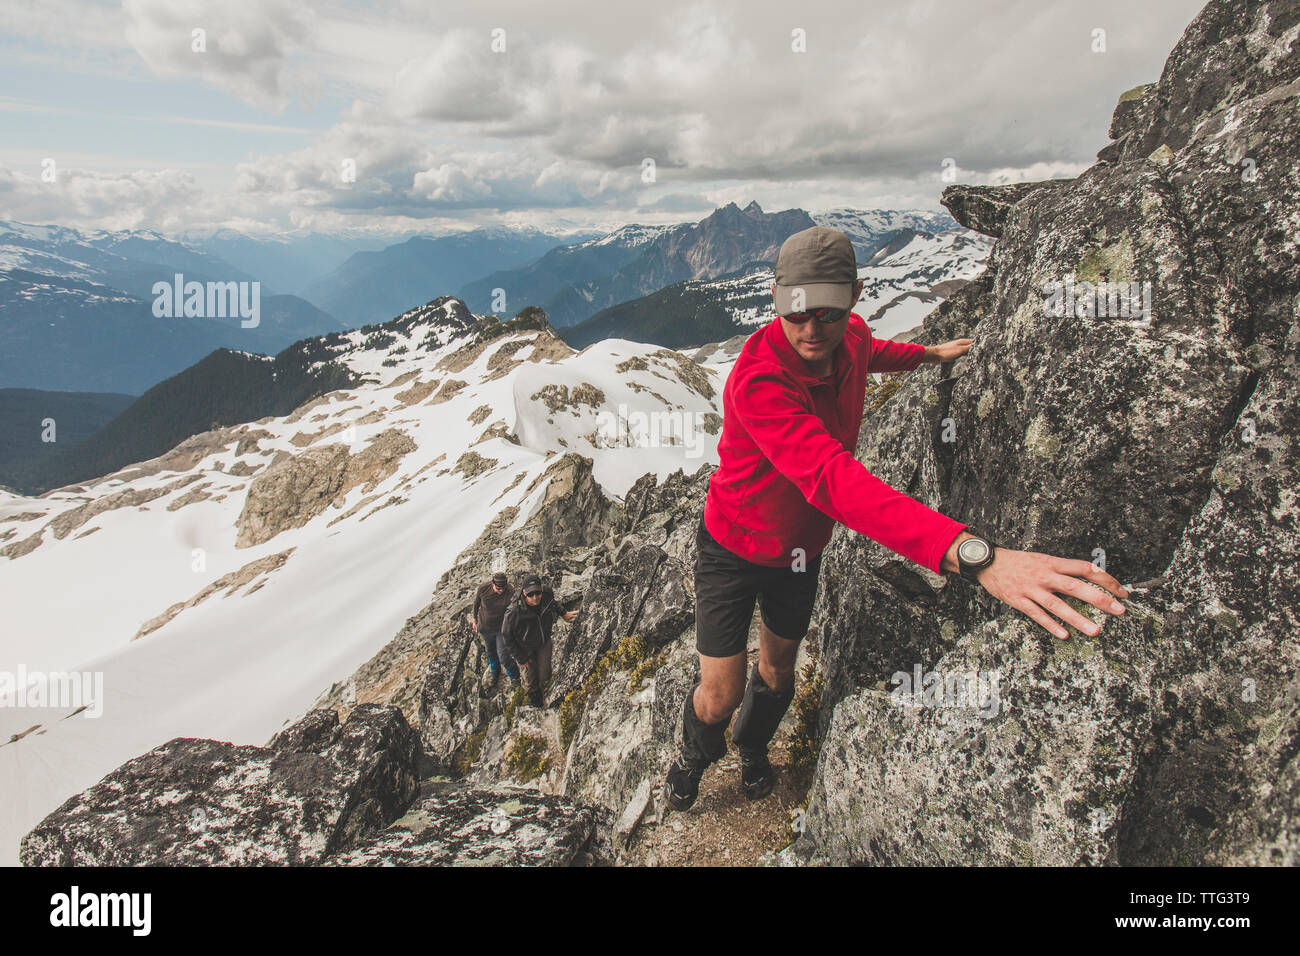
pixel 683 784
pixel 756 774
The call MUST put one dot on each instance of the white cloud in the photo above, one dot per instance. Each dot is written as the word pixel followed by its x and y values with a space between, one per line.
pixel 442 128
pixel 164 199
pixel 247 44
pixel 462 80
pixel 64 23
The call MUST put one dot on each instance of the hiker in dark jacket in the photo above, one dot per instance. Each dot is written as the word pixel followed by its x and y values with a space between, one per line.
pixel 527 633
pixel 487 617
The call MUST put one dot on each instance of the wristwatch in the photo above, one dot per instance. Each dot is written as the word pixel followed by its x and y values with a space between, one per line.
pixel 974 555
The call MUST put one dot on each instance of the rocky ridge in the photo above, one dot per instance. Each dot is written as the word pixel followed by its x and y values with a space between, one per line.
pixel 1165 450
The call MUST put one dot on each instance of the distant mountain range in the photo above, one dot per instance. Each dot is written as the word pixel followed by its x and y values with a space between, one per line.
pixel 723 242
pixel 872 229
pixel 77 311
pixel 375 286
pixel 576 282
pixel 907 276
pixel 285 264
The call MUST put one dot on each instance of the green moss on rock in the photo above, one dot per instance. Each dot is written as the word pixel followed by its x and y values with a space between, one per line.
pixel 1162 155
pixel 468 752
pixel 1112 263
pixel 1039 438
pixel 528 757
pixel 805 741
pixel 878 395
pixel 626 655
pixel 644 669
pixel 1134 94
pixel 1228 621
pixel 517 699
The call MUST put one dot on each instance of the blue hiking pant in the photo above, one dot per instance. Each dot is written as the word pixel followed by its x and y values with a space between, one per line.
pixel 497 654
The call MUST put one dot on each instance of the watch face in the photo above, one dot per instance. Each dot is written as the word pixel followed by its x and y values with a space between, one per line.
pixel 973 550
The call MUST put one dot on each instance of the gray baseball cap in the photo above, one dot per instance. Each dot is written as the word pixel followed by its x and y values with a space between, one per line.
pixel 821 263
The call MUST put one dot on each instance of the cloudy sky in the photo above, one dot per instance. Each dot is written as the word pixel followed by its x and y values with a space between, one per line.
pixel 401 115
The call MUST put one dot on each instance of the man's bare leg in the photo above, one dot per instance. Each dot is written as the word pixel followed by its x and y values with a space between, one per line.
pixel 721 687
pixel 705 714
pixel 722 679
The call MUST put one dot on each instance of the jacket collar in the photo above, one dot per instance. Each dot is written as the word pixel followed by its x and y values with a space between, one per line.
pixel 774 336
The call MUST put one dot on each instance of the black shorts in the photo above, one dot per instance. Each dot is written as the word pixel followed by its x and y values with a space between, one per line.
pixel 726 586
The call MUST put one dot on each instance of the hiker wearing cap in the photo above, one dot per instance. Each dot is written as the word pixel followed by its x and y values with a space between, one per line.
pixel 487 617
pixel 527 632
pixel 792 410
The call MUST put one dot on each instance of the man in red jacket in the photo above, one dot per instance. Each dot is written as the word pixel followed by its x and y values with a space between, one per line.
pixel 792 409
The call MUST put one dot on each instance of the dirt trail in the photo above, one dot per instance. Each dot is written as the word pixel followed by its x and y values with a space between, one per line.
pixel 724 828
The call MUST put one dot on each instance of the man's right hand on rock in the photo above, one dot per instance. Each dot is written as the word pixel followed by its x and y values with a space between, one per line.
pixel 1030 582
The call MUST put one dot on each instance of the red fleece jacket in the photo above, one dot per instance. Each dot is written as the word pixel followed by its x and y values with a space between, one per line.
pixel 788 470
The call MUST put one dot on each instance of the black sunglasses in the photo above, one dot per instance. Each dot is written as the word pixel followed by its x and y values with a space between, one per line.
pixel 825 316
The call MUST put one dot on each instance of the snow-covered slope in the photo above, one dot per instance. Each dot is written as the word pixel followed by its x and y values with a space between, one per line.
pixel 900 288
pixel 129 261
pixel 634 234
pixel 867 228
pixel 221 588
